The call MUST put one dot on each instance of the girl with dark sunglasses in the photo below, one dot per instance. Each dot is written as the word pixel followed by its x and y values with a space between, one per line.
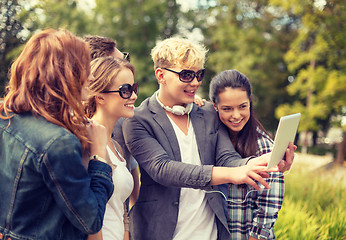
pixel 112 96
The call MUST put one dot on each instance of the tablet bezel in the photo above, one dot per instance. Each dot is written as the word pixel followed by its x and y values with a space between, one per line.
pixel 285 133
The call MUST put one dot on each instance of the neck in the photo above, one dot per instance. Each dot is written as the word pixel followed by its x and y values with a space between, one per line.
pixel 233 136
pixel 164 101
pixel 107 122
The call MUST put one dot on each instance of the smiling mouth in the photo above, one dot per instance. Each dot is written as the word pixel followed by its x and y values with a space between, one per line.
pixel 130 105
pixel 190 92
pixel 235 122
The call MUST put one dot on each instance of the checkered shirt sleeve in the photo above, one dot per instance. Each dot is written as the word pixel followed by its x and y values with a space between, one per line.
pixel 256 215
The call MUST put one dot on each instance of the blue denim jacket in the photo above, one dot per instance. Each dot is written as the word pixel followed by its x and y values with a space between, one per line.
pixel 45 191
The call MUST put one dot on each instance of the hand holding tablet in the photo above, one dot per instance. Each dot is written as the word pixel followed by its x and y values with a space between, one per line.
pixel 285 133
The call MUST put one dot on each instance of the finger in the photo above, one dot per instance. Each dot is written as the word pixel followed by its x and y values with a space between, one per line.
pixel 264 169
pixel 282 166
pixel 273 169
pixel 253 184
pixel 263 174
pixel 259 179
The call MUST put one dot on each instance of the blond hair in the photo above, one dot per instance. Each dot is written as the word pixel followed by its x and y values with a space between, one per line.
pixel 178 52
pixel 105 71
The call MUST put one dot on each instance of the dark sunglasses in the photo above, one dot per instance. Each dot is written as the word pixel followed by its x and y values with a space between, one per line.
pixel 126 56
pixel 187 76
pixel 125 90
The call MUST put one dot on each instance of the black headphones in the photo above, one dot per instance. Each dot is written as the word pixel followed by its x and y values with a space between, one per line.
pixel 176 109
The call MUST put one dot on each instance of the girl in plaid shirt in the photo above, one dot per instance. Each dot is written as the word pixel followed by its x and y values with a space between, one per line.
pixel 250 214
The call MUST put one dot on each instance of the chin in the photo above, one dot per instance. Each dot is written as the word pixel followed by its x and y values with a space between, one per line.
pixel 129 115
pixel 236 129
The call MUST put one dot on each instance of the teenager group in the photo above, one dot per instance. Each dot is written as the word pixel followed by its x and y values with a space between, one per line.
pixel 63 175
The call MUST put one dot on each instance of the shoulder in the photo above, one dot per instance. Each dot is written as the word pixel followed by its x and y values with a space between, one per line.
pixel 143 107
pixel 264 142
pixel 37 134
pixel 209 113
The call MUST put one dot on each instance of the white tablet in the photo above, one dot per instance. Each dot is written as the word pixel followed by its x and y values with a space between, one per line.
pixel 285 133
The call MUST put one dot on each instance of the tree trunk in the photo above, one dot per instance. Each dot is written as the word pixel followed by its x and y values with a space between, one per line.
pixel 305 142
pixel 341 150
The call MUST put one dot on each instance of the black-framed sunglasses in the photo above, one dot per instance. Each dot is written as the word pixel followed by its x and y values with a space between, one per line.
pixel 126 56
pixel 187 76
pixel 125 90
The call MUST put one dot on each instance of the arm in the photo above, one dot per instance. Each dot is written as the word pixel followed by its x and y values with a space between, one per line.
pixel 74 188
pixel 156 162
pixel 154 159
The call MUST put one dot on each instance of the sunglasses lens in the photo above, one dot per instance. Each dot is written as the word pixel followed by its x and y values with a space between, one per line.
pixel 126 56
pixel 187 75
pixel 135 88
pixel 200 75
pixel 126 91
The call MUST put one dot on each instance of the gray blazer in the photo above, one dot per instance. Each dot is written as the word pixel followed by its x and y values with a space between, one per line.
pixel 151 139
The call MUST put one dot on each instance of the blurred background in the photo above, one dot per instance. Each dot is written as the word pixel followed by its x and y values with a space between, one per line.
pixel 293 52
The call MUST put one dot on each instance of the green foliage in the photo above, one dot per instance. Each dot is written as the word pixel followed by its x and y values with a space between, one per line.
pixel 252 37
pixel 317 58
pixel 314 206
pixel 136 25
pixel 10 38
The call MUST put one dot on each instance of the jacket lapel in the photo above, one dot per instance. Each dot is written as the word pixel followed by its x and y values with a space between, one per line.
pixel 162 120
pixel 198 123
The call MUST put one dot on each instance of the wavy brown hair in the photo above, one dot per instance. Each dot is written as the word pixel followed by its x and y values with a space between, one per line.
pixel 47 78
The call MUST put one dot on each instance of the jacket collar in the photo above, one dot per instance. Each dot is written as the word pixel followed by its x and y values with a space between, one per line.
pixel 197 120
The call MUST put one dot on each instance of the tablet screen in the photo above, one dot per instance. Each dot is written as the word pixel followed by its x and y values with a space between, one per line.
pixel 285 133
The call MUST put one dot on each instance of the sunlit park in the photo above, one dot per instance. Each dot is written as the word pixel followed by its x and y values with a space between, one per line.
pixel 293 52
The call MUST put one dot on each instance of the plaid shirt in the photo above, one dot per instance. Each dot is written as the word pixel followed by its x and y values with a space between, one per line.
pixel 256 215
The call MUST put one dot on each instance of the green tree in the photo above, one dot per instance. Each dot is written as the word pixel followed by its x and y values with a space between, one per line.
pixel 66 14
pixel 10 38
pixel 252 37
pixel 318 59
pixel 136 25
pixel 20 19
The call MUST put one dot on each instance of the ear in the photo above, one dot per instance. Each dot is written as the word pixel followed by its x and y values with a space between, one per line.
pixel 160 76
pixel 99 99
pixel 215 107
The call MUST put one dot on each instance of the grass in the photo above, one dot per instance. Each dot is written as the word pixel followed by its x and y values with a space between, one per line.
pixel 314 206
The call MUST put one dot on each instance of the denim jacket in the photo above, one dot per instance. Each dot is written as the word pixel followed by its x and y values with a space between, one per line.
pixel 45 191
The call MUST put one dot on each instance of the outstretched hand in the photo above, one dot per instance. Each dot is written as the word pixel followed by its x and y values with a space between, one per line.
pixel 249 174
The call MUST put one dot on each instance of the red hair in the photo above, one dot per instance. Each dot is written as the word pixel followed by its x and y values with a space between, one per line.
pixel 47 78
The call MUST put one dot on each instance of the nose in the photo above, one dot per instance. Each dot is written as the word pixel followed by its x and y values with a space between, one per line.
pixel 194 82
pixel 235 114
pixel 133 96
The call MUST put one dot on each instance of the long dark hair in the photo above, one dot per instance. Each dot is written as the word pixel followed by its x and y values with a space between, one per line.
pixel 246 140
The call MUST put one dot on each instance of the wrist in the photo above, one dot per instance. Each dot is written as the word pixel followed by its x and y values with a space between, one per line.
pixel 98 158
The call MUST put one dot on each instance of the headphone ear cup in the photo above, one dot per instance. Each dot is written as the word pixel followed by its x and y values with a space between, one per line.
pixel 178 110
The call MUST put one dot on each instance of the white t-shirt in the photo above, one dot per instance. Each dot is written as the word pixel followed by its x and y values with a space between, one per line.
pixel 196 220
pixel 113 222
